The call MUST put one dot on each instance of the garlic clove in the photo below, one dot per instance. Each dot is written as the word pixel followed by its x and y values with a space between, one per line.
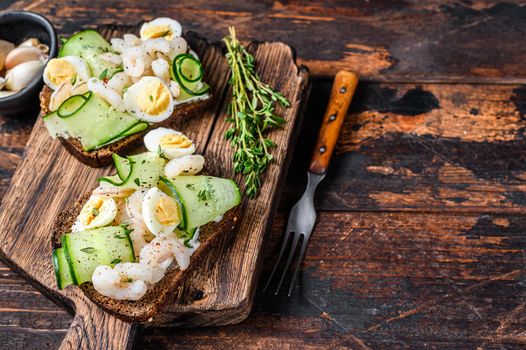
pixel 23 74
pixel 34 42
pixel 43 48
pixel 21 55
pixel 6 93
pixel 5 47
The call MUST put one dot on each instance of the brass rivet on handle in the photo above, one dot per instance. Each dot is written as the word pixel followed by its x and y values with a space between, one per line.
pixel 332 117
pixel 322 149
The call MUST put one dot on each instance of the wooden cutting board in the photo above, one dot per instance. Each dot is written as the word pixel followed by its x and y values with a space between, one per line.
pixel 221 290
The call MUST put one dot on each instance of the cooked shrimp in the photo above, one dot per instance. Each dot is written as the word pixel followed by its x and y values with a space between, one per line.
pixel 177 46
pixel 111 58
pixel 158 250
pixel 161 69
pixel 186 165
pixel 107 93
pixel 109 190
pixel 137 271
pixel 108 282
pixel 175 89
pixel 119 81
pixel 133 61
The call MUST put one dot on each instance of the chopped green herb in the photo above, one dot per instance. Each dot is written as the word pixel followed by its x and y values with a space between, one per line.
pixel 165 33
pixel 88 250
pixel 161 153
pixel 187 243
pixel 205 194
pixel 115 261
pixel 151 98
pixel 95 212
pixel 191 187
pixel 137 181
pixel 104 74
pixel 73 80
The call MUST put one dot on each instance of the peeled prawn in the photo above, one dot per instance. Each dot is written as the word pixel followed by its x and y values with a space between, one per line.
pixel 108 282
pixel 186 165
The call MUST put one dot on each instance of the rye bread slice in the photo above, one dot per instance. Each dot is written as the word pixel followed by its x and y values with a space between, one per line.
pixel 163 292
pixel 102 156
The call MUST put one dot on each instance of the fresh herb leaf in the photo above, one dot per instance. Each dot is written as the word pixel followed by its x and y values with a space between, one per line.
pixel 191 187
pixel 73 80
pixel 95 212
pixel 115 261
pixel 137 181
pixel 164 33
pixel 252 113
pixel 88 250
pixel 151 98
pixel 187 243
pixel 161 153
pixel 104 74
pixel 205 194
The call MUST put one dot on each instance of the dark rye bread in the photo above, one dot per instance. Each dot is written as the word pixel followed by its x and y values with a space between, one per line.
pixel 163 292
pixel 102 156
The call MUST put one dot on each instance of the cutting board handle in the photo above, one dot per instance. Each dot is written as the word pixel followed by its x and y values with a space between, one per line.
pixel 92 328
pixel 342 92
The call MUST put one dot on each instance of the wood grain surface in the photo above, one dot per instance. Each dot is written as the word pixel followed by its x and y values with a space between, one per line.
pixel 382 40
pixel 421 236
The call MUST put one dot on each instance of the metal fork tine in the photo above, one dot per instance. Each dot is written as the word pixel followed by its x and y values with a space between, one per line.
pixel 298 263
pixel 281 251
pixel 289 259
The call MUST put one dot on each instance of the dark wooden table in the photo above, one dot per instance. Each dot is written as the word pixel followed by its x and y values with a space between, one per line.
pixel 421 237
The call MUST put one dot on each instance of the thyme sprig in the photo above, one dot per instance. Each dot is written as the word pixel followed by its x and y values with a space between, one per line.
pixel 251 112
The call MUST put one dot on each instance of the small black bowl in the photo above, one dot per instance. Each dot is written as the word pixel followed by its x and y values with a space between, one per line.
pixel 17 26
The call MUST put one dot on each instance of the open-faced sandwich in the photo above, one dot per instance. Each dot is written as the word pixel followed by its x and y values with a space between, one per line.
pixel 100 97
pixel 129 243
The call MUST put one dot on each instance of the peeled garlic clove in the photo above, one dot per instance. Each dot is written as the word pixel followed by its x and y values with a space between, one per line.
pixel 6 93
pixel 5 47
pixel 21 55
pixel 43 48
pixel 34 42
pixel 23 74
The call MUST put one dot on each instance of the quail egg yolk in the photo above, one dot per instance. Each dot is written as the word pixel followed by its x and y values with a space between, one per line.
pixel 175 141
pixel 157 31
pixel 59 71
pixel 167 211
pixel 154 99
pixel 91 211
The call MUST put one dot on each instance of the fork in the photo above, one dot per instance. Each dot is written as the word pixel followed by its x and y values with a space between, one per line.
pixel 302 216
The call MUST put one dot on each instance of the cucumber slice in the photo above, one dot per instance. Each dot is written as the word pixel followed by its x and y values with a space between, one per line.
pixel 141 170
pixel 94 122
pixel 71 105
pixel 62 269
pixel 89 45
pixel 102 246
pixel 188 68
pixel 188 72
pixel 203 198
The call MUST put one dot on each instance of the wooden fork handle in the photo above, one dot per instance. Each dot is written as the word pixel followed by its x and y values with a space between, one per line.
pixel 342 92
